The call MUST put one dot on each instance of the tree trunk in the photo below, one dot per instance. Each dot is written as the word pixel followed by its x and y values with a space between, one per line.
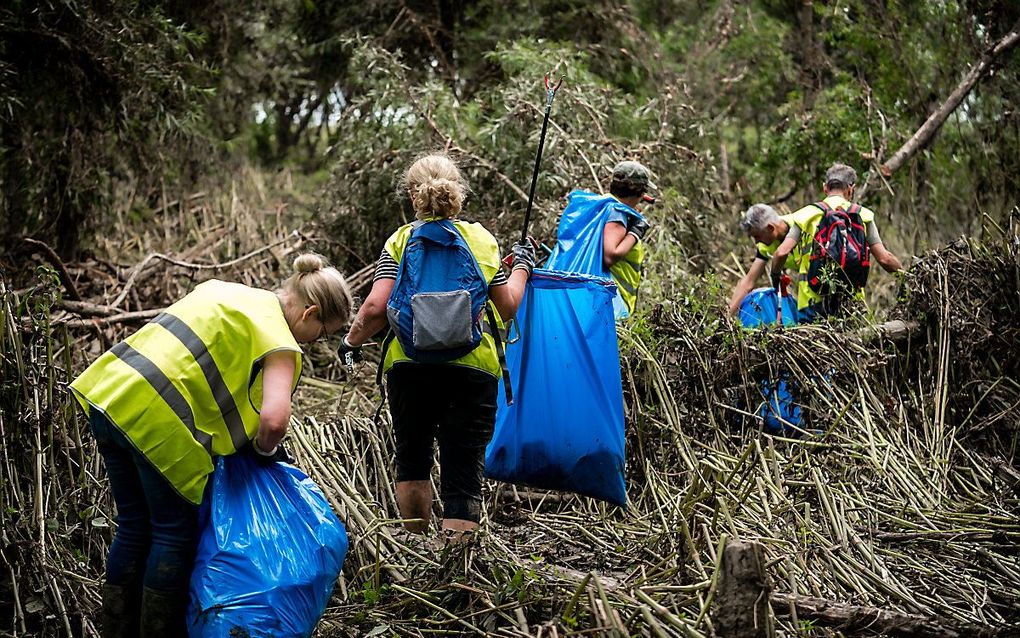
pixel 741 608
pixel 924 135
pixel 810 52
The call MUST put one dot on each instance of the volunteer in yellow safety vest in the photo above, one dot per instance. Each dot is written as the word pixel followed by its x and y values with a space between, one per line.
pixel 786 241
pixel 623 251
pixel 212 375
pixel 455 402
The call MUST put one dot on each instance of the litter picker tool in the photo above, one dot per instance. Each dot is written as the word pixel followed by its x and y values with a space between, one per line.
pixel 550 95
pixel 551 90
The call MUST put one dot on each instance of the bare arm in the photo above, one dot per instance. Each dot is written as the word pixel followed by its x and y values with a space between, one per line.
pixel 371 317
pixel 616 243
pixel 507 298
pixel 277 383
pixel 746 284
pixel 784 250
pixel 888 261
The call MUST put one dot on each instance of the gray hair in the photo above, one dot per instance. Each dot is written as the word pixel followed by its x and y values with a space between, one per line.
pixel 840 177
pixel 758 217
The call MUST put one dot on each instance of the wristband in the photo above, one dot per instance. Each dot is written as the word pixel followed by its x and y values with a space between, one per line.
pixel 258 450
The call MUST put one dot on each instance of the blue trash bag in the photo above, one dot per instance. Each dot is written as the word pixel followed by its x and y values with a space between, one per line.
pixel 565 429
pixel 269 553
pixel 779 412
pixel 579 238
pixel 759 309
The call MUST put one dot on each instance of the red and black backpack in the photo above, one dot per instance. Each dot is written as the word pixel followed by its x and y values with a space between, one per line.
pixel 840 255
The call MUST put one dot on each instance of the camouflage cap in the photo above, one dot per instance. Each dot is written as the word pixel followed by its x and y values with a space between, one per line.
pixel 840 174
pixel 633 174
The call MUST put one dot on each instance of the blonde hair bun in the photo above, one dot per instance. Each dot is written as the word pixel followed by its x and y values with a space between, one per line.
pixel 316 282
pixel 436 186
pixel 309 262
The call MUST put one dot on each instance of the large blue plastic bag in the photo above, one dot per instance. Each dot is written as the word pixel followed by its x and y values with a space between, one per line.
pixel 759 308
pixel 779 411
pixel 269 553
pixel 579 237
pixel 565 429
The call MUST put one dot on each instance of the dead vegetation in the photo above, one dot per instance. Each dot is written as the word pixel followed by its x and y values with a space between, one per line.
pixel 900 500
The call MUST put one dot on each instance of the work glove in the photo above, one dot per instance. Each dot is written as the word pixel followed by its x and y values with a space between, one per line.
pixel 637 227
pixel 524 256
pixel 279 455
pixel 349 354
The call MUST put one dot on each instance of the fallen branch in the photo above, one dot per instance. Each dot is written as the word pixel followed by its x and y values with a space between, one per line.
pixel 184 264
pixel 923 136
pixel 895 330
pixel 852 619
pixel 138 316
pixel 54 259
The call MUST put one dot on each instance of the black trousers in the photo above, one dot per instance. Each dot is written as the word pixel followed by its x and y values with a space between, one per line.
pixel 455 406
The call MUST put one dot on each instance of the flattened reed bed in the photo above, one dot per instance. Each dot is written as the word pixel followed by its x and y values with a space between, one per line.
pixel 902 494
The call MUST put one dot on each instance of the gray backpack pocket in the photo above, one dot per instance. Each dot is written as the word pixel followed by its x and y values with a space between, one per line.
pixel 442 320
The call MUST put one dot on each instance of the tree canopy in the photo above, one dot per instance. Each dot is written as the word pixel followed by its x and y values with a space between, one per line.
pixel 729 103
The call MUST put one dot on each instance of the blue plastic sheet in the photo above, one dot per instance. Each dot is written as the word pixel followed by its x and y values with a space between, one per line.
pixel 565 430
pixel 759 308
pixel 270 550
pixel 579 237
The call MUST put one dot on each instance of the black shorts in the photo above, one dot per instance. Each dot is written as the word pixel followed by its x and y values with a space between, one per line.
pixel 455 405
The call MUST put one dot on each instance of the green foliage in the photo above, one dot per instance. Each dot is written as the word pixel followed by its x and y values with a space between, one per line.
pixel 494 135
pixel 93 95
pixel 88 92
pixel 804 144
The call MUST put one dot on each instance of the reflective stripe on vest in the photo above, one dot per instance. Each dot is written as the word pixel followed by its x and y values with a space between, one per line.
pixel 222 396
pixel 186 385
pixel 164 388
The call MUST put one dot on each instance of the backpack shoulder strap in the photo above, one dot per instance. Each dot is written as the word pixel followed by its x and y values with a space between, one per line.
pixel 822 206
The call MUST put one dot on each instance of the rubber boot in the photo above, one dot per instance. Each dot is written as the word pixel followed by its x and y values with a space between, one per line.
pixel 120 611
pixel 164 614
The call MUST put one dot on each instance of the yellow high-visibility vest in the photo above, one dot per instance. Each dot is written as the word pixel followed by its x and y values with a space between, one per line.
pixel 799 259
pixel 627 275
pixel 188 385
pixel 486 251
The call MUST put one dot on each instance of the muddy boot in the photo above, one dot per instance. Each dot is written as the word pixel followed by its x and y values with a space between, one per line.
pixel 164 614
pixel 120 611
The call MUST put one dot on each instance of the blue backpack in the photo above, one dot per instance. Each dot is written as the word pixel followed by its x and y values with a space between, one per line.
pixel 438 301
pixel 439 297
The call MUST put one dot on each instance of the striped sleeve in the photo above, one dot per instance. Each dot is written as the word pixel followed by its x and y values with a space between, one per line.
pixel 386 267
pixel 499 279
